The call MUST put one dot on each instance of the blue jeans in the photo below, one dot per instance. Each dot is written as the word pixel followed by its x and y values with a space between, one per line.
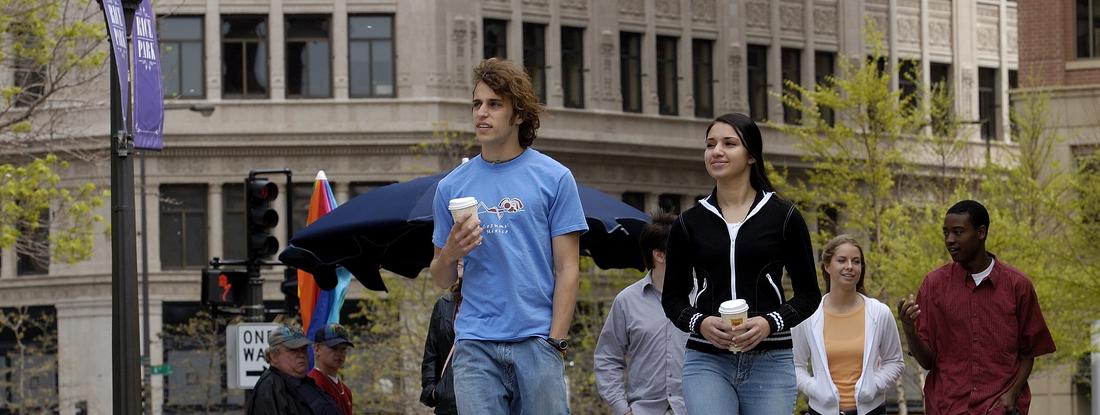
pixel 752 383
pixel 525 378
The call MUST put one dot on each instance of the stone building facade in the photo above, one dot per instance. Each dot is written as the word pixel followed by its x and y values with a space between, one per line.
pixel 356 87
pixel 1060 53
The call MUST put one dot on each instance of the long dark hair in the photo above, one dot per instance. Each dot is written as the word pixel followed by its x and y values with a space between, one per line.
pixel 751 139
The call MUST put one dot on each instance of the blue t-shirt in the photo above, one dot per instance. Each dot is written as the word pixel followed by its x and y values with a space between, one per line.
pixel 508 281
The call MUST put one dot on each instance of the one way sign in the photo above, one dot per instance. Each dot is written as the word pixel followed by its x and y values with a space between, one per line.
pixel 245 345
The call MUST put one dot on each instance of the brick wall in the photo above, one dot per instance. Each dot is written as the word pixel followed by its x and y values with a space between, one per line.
pixel 1046 43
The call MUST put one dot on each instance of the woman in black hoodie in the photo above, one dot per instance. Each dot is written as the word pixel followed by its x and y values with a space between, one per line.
pixel 735 244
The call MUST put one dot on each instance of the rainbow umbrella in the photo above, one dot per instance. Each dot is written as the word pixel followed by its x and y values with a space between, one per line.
pixel 320 307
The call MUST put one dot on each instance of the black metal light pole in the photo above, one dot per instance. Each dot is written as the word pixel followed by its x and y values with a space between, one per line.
pixel 126 364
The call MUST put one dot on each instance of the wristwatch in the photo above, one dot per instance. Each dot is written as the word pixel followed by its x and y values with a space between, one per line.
pixel 560 344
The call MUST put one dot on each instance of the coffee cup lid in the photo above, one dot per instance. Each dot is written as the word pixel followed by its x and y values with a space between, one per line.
pixel 733 306
pixel 461 203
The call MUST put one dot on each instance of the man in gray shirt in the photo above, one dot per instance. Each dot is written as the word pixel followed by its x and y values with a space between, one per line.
pixel 640 355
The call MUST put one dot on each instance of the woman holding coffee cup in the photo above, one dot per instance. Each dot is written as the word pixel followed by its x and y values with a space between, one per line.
pixel 851 340
pixel 725 261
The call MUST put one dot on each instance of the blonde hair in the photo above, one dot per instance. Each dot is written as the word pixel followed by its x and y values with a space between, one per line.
pixel 830 250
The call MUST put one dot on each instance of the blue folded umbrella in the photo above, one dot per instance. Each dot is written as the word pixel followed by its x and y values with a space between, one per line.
pixel 391 227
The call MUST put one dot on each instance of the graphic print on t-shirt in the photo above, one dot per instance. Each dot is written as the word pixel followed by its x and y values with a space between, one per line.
pixel 507 205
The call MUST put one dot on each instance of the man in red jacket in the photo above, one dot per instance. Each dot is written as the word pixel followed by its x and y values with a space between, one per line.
pixel 330 350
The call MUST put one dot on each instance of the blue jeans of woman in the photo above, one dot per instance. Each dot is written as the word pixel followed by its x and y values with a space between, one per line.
pixel 759 382
pixel 524 378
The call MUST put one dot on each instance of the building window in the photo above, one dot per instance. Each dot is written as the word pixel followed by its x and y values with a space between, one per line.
pixel 757 61
pixel 33 247
pixel 308 57
pixel 630 70
pixel 303 192
pixel 30 77
pixel 908 77
pixel 495 43
pixel 791 66
pixel 1013 84
pixel 371 56
pixel 1088 28
pixel 702 65
pixel 824 70
pixel 667 77
pixel 358 188
pixel 669 203
pixel 940 74
pixel 244 56
pixel 987 81
pixel 880 64
pixel 828 217
pixel 29 362
pixel 572 66
pixel 635 199
pixel 181 56
pixel 182 226
pixel 195 351
pixel 534 56
pixel 233 222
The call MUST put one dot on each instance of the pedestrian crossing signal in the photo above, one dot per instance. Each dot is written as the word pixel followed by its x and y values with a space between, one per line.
pixel 223 288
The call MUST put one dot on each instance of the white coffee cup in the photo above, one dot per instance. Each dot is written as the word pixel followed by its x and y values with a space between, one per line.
pixel 462 207
pixel 735 312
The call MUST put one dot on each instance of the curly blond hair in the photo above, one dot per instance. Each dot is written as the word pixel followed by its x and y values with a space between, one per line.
pixel 507 79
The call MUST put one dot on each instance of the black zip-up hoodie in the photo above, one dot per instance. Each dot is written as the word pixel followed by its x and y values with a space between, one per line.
pixel 708 263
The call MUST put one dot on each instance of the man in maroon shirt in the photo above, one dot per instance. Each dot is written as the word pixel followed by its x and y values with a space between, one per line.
pixel 330 347
pixel 975 325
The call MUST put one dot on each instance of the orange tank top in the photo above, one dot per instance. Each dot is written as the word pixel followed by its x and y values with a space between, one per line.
pixel 844 349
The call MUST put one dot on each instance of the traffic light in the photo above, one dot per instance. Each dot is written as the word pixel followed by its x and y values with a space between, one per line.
pixel 223 287
pixel 289 287
pixel 261 217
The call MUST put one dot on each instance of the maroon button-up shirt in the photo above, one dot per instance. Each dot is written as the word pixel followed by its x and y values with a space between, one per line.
pixel 979 335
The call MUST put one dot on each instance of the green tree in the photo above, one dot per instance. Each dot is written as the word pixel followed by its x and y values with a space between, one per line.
pixel 884 168
pixel 866 165
pixel 198 381
pixel 31 369
pixel 1043 222
pixel 388 329
pixel 892 164
pixel 54 49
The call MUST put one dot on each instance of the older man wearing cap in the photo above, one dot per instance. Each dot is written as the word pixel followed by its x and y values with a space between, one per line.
pixel 330 347
pixel 284 389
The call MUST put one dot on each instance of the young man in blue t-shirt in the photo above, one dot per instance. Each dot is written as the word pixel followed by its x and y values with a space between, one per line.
pixel 520 252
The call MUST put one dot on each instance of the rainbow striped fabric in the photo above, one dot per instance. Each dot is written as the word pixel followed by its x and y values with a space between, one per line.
pixel 319 307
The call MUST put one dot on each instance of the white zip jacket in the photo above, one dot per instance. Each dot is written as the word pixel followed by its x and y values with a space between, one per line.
pixel 882 359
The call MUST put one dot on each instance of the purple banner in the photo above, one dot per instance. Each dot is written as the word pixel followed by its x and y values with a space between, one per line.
pixel 148 92
pixel 116 25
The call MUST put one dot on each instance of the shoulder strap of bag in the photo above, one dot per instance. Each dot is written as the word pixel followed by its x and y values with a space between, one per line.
pixel 456 293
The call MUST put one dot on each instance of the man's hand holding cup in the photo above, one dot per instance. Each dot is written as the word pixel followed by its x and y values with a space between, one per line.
pixel 466 232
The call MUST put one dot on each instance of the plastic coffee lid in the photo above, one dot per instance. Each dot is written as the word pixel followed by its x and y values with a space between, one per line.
pixel 733 306
pixel 461 203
